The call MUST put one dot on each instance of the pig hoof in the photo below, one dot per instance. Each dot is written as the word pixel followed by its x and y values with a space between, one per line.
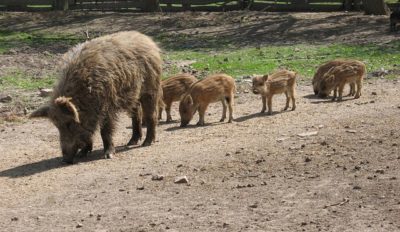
pixel 146 143
pixel 83 153
pixel 200 124
pixel 222 119
pixel 108 155
pixel 133 141
pixel 230 121
pixel 294 108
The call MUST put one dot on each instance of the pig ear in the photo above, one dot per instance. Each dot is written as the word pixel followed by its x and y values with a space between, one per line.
pixel 188 99
pixel 41 112
pixel 67 107
pixel 265 77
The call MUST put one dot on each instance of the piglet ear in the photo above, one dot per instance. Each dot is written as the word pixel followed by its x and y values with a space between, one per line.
pixel 189 100
pixel 42 112
pixel 265 77
pixel 67 107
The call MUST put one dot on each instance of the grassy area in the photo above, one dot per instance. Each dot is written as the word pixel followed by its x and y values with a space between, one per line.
pixel 17 79
pixel 9 39
pixel 230 59
pixel 302 58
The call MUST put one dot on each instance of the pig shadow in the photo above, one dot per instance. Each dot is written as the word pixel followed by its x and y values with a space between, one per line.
pixel 329 100
pixel 99 154
pixel 194 126
pixel 55 163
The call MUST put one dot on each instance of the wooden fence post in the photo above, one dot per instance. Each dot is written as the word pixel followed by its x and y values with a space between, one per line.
pixel 151 5
pixel 186 4
pixel 61 5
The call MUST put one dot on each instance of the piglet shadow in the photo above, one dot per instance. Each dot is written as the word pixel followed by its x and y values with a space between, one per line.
pixel 193 126
pixel 167 123
pixel 55 163
pixel 311 96
pixel 251 116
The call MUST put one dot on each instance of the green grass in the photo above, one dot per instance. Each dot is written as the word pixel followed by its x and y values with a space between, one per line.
pixel 11 39
pixel 304 59
pixel 16 79
pixel 210 57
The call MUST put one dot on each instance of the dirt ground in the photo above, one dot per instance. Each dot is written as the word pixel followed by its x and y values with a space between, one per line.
pixel 256 174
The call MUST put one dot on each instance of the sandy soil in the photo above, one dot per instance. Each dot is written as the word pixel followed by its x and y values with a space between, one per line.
pixel 256 174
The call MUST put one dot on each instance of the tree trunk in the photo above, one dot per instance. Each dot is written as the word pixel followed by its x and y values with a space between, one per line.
pixel 376 7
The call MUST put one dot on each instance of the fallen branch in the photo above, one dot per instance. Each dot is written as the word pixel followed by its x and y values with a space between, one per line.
pixel 345 200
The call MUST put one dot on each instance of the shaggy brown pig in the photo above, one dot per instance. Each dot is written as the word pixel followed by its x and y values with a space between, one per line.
pixel 217 87
pixel 100 78
pixel 173 89
pixel 282 81
pixel 324 68
pixel 352 71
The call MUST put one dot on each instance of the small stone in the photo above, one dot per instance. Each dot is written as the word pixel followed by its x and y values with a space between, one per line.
pixel 356 187
pixel 380 171
pixel 181 180
pixel 307 159
pixel 303 223
pixel 321 126
pixel 45 92
pixel 307 134
pixel 225 225
pixel 14 219
pixel 372 101
pixel 279 140
pixel 228 154
pixel 157 177
pixel 246 91
pixel 253 206
pixel 374 93
pixel 79 225
pixel 5 98
pixel 46 53
pixel 140 188
pixel 351 131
